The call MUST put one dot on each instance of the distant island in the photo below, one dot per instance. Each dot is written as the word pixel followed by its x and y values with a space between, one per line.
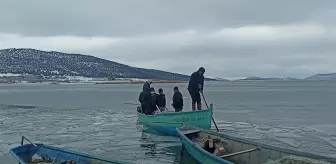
pixel 268 79
pixel 317 77
pixel 31 65
pixel 329 76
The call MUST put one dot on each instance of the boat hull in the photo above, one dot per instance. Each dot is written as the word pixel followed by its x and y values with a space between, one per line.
pixel 167 122
pixel 24 155
pixel 243 151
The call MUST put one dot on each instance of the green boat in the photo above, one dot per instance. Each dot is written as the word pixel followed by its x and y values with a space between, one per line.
pixel 241 151
pixel 167 122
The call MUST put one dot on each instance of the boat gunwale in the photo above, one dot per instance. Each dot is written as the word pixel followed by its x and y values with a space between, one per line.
pixel 261 145
pixel 210 109
pixel 40 145
pixel 174 123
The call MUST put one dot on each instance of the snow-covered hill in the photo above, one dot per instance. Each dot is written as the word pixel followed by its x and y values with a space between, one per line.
pixel 36 62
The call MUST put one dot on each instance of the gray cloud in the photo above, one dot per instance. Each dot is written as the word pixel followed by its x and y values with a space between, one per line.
pixel 127 17
pixel 230 38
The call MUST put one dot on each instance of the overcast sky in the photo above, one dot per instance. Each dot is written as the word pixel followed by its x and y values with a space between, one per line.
pixel 230 38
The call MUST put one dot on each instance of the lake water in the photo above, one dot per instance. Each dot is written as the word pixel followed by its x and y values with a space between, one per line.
pixel 95 119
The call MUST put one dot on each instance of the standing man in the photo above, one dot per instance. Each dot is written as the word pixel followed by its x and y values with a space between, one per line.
pixel 161 100
pixel 195 86
pixel 177 100
pixel 145 99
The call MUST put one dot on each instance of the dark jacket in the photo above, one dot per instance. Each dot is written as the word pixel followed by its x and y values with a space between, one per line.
pixel 161 100
pixel 195 80
pixel 153 101
pixel 145 100
pixel 178 100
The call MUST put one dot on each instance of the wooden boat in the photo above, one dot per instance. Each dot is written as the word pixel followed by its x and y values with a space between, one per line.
pixel 43 154
pixel 240 151
pixel 167 122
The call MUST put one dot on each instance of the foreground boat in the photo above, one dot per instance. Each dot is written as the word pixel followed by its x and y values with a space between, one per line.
pixel 167 122
pixel 43 154
pixel 240 151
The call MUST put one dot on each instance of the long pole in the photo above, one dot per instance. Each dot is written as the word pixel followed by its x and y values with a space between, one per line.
pixel 213 120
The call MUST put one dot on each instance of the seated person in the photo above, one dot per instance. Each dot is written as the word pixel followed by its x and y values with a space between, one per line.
pixel 177 100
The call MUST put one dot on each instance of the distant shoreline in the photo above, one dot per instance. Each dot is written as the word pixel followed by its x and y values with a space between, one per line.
pixel 141 82
pixel 156 82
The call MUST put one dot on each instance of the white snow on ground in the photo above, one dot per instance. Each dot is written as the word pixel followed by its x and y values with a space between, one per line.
pixel 9 74
pixel 133 79
pixel 80 78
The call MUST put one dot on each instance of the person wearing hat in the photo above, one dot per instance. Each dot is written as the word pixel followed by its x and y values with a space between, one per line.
pixel 145 100
pixel 147 84
pixel 195 86
pixel 177 100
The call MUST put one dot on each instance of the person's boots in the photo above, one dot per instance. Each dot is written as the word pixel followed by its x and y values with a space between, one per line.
pixel 199 106
pixel 193 106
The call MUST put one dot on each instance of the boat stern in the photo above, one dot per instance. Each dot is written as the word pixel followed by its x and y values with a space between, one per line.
pixel 24 153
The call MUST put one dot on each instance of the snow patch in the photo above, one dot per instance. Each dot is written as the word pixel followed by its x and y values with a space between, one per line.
pixel 9 74
pixel 80 78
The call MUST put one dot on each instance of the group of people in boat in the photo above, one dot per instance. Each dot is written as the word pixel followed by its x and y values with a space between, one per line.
pixel 151 102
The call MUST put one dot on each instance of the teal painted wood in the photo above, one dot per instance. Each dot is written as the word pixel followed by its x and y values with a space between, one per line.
pixel 265 151
pixel 196 151
pixel 167 122
pixel 23 154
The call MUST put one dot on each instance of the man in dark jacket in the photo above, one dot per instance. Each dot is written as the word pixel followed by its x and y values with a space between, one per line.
pixel 145 100
pixel 153 105
pixel 195 86
pixel 161 100
pixel 177 100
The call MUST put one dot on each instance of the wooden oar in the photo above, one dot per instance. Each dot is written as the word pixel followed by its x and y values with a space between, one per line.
pixel 238 153
pixel 167 109
pixel 213 120
pixel 158 108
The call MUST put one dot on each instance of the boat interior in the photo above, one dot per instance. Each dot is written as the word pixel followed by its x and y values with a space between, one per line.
pixel 242 152
pixel 39 154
